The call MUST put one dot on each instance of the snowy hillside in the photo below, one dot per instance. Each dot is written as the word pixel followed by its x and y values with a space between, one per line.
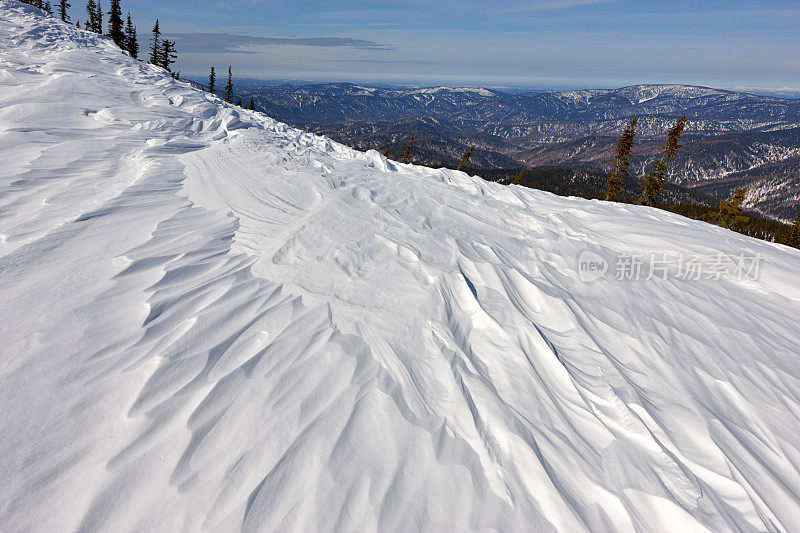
pixel 211 321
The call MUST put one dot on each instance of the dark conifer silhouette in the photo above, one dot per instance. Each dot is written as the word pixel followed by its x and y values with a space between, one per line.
pixel 47 7
pixel 131 43
pixel 252 105
pixel 229 87
pixel 115 24
pixel 465 157
pixel 622 162
pixel 407 153
pixel 91 15
pixel 212 80
pixel 654 181
pixel 63 10
pixel 98 18
pixel 168 55
pixel 155 47
pixel 239 102
pixel 518 179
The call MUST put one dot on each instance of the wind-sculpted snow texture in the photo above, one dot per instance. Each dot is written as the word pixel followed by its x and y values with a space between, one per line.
pixel 212 321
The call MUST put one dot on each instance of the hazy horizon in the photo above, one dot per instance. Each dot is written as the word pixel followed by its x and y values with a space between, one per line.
pixel 541 43
pixel 777 92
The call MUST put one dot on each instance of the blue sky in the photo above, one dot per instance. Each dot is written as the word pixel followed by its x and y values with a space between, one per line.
pixel 543 43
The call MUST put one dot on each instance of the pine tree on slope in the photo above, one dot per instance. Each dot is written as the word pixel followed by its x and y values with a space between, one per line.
pixel 115 28
pixel 91 14
pixel 212 79
pixel 131 43
pixel 654 181
pixel 730 210
pixel 155 48
pixel 407 154
pixel 465 157
pixel 63 7
pixel 229 87
pixel 252 105
pixel 622 162
pixel 168 54
pixel 98 18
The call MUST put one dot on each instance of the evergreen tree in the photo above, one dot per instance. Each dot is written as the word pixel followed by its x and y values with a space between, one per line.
pixel 518 179
pixel 168 54
pixel 654 181
pixel 155 48
pixel 239 102
pixel 115 28
pixel 622 163
pixel 98 18
pixel 229 87
pixel 91 13
pixel 792 235
pixel 131 43
pixel 63 7
pixel 465 157
pixel 730 211
pixel 252 105
pixel 212 79
pixel 407 153
pixel 48 8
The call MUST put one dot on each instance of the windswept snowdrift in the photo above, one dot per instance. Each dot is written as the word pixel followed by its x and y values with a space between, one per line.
pixel 213 321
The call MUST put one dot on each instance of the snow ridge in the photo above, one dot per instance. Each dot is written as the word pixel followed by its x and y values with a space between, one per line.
pixel 215 321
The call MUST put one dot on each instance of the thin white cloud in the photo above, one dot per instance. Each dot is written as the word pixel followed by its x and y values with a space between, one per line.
pixel 195 43
pixel 547 5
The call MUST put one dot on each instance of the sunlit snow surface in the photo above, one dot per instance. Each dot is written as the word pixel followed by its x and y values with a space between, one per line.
pixel 212 321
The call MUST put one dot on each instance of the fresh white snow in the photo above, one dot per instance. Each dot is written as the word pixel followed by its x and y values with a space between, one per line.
pixel 213 321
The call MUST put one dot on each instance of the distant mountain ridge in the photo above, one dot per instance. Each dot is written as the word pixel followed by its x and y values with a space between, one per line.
pixel 506 114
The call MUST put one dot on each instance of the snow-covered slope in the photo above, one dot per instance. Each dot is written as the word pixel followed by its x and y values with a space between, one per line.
pixel 211 321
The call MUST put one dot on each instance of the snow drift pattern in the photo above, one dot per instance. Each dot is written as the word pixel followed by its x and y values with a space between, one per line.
pixel 214 321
